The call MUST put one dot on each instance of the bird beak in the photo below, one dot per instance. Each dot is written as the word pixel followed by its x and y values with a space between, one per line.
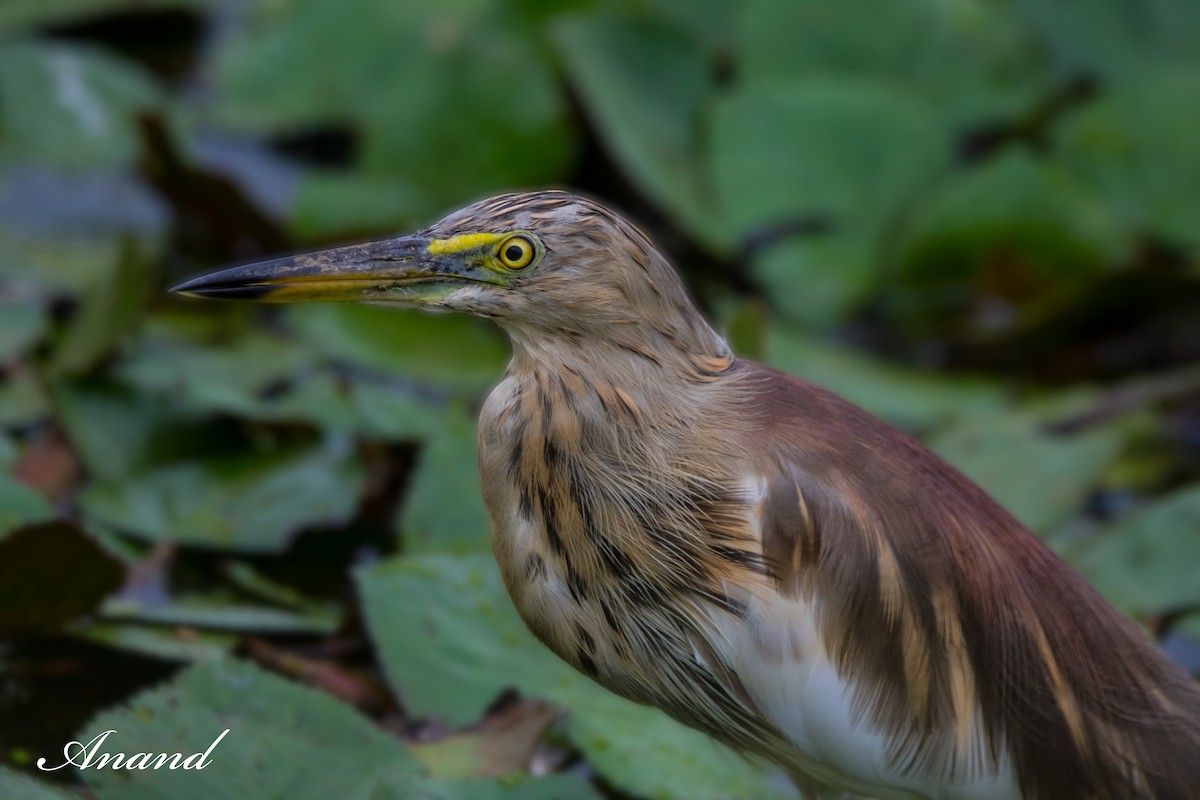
pixel 394 270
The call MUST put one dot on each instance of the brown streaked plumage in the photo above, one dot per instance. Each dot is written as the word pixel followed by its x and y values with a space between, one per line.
pixel 761 559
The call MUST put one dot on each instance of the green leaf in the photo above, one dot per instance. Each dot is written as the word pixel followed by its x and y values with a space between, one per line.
pixel 110 309
pixel 69 106
pixel 250 580
pixel 1042 478
pixel 16 15
pixel 379 40
pixel 64 232
pixel 839 147
pixel 20 504
pixel 644 86
pixel 502 744
pixel 267 377
pixel 909 399
pixel 851 154
pixel 1138 146
pixel 818 280
pixel 169 644
pixel 22 787
pixel 52 573
pixel 710 23
pixel 647 753
pixel 449 638
pixel 450 642
pixel 480 110
pixel 1017 199
pixel 453 352
pixel 53 262
pixel 340 205
pixel 22 399
pixel 22 323
pixel 229 377
pixel 478 105
pixel 444 510
pixel 1148 562
pixel 8 452
pixel 907 46
pixel 1017 233
pixel 284 740
pixel 250 503
pixel 1111 37
pixel 113 429
pixel 222 614
pixel 551 787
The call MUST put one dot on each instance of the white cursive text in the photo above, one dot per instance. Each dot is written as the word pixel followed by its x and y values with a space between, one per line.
pixel 86 756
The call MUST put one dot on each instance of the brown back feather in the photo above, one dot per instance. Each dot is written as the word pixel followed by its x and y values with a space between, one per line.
pixel 928 587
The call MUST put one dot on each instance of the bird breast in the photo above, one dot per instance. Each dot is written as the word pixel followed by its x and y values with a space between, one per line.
pixel 651 579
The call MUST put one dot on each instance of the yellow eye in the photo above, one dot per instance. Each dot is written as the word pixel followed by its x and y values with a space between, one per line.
pixel 516 252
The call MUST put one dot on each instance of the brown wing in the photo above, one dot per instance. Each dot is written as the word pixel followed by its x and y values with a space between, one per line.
pixel 942 607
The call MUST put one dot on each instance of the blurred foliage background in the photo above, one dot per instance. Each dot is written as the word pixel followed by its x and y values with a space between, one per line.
pixel 979 219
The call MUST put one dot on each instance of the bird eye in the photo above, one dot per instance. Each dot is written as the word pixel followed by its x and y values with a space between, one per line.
pixel 517 252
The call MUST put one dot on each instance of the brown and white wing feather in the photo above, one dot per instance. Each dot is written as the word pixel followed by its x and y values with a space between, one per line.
pixel 932 632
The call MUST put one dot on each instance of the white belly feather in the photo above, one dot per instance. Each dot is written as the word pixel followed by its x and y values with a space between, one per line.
pixel 778 655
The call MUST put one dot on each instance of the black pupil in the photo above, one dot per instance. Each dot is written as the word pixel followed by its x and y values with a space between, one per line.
pixel 514 252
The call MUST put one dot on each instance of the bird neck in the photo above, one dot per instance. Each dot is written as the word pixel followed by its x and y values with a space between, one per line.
pixel 641 356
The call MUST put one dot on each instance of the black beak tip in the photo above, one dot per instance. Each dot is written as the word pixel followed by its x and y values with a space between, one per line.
pixel 210 286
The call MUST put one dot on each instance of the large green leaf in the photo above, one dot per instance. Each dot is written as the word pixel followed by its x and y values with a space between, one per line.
pixel 255 376
pixel 338 205
pixel 1113 36
pixel 171 644
pixel 284 740
pixel 478 107
pixel 850 153
pixel 109 310
pixel 1020 236
pixel 480 111
pixel 22 323
pixel 229 377
pixel 1149 561
pixel 454 352
pixel 906 47
pixel 220 613
pixel 16 15
pixel 912 400
pixel 444 509
pixel 1042 478
pixel 710 23
pixel 22 399
pixel 1139 147
pixel 450 642
pixel 448 636
pixel 552 787
pixel 69 106
pixel 113 429
pixel 1017 200
pixel 841 147
pixel 22 787
pixel 246 502
pixel 645 86
pixel 89 233
pixel 20 504
pixel 267 377
pixel 267 79
pixel 8 452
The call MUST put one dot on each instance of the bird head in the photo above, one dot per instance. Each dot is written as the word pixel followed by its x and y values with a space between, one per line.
pixel 546 266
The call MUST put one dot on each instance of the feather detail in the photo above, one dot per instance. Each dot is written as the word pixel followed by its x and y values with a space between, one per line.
pixel 770 564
